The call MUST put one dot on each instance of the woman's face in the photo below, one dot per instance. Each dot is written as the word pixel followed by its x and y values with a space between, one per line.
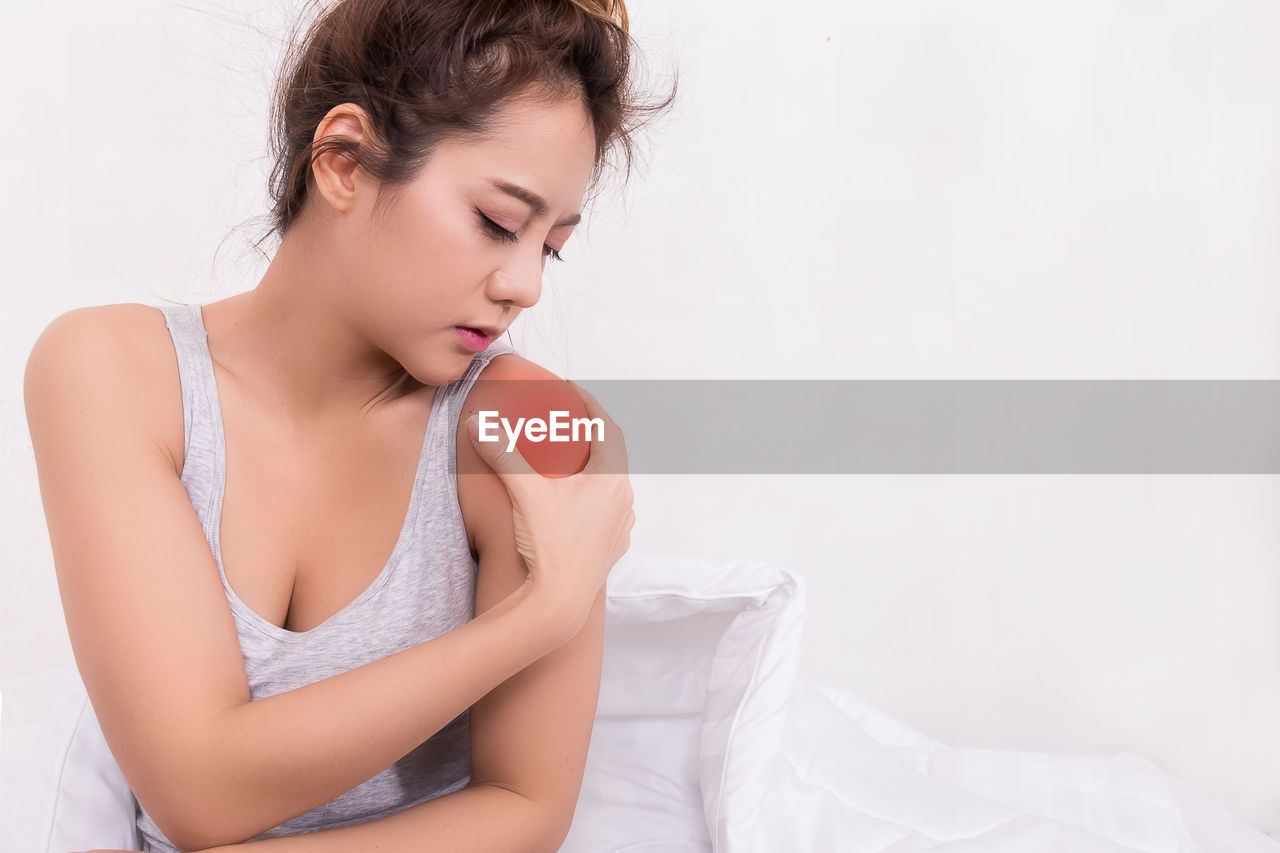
pixel 439 259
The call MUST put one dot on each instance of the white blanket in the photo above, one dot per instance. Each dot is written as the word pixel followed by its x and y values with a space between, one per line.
pixel 853 779
pixel 729 751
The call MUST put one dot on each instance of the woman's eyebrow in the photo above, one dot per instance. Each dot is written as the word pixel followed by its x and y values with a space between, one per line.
pixel 529 197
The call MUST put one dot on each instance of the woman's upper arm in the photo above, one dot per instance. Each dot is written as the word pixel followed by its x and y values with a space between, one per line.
pixel 529 734
pixel 148 621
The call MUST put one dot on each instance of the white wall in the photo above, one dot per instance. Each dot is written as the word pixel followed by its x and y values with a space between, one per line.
pixel 955 190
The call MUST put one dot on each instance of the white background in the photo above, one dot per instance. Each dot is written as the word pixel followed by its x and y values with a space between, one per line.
pixel 907 189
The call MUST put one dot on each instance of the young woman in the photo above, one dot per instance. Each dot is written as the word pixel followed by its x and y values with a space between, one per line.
pixel 299 627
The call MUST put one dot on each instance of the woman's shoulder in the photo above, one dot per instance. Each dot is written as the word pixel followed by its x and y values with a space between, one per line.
pixel 519 387
pixel 127 334
pixel 120 321
pixel 512 387
pixel 125 347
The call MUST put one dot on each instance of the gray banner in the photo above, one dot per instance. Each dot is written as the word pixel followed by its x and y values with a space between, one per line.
pixel 945 426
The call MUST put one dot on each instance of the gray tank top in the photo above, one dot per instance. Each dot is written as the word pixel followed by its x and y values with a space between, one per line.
pixel 426 589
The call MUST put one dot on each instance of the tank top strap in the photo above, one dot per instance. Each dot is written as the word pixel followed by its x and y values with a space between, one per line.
pixel 187 331
pixel 201 417
pixel 456 391
pixel 449 400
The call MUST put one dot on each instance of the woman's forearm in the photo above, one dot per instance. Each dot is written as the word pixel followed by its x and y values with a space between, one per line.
pixel 475 819
pixel 275 758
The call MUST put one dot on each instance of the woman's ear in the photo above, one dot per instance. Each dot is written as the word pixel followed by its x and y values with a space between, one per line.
pixel 335 173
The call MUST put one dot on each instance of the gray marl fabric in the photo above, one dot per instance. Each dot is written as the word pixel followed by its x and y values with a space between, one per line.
pixel 427 588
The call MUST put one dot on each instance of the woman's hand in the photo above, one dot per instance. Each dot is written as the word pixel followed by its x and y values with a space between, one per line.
pixel 570 530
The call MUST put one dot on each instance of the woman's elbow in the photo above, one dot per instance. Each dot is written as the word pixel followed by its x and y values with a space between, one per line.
pixel 549 822
pixel 555 830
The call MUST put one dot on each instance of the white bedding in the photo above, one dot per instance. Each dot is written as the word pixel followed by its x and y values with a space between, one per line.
pixel 853 779
pixel 706 740
pixel 766 762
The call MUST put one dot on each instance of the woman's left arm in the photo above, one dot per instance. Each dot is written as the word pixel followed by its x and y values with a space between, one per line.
pixel 530 734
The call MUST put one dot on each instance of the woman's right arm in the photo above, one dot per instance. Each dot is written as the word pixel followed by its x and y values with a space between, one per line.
pixel 154 639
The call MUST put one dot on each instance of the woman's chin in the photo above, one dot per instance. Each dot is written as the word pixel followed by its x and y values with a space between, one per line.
pixel 443 371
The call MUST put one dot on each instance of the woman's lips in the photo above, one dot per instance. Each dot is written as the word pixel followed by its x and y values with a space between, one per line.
pixel 473 339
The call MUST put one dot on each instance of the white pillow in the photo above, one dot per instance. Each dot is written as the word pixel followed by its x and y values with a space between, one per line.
pixel 60 787
pixel 700 657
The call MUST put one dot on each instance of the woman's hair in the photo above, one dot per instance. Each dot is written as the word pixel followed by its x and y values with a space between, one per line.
pixel 429 70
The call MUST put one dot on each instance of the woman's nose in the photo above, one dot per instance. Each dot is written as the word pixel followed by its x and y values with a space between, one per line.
pixel 520 286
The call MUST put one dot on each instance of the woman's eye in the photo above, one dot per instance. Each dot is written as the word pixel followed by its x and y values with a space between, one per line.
pixel 509 236
pixel 496 230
